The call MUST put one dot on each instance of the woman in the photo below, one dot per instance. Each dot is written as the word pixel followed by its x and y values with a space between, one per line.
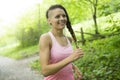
pixel 56 53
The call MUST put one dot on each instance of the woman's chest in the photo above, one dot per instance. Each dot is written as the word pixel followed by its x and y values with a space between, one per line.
pixel 59 53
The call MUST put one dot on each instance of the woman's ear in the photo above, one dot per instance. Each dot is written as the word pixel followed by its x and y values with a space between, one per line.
pixel 49 21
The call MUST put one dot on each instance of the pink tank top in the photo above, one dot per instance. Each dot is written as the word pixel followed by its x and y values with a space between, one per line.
pixel 59 53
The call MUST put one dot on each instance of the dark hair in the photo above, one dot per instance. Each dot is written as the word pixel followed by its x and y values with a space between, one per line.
pixel 69 27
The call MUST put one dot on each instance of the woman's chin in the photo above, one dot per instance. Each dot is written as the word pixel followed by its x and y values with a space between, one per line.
pixel 62 27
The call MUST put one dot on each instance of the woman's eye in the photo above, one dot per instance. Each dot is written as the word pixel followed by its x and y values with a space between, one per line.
pixel 57 16
pixel 63 15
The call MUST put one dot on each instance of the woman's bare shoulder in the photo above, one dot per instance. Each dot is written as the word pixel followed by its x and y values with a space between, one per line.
pixel 45 38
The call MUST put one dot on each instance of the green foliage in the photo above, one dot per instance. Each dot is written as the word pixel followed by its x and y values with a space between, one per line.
pixel 27 37
pixel 33 23
pixel 108 25
pixel 36 65
pixel 76 10
pixel 17 52
pixel 108 7
pixel 101 60
pixel 115 24
pixel 29 28
pixel 83 9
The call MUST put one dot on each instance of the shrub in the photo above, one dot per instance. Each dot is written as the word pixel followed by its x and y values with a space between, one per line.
pixel 101 60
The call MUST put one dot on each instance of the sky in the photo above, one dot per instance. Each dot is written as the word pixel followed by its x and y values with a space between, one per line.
pixel 10 10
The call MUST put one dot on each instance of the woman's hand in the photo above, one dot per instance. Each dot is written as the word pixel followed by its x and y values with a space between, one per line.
pixel 78 53
pixel 77 73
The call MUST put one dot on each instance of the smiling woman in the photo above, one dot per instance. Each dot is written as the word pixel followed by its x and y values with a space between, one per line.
pixel 10 10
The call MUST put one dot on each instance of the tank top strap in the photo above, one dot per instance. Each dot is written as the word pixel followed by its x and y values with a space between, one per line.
pixel 54 40
pixel 67 39
pixel 52 37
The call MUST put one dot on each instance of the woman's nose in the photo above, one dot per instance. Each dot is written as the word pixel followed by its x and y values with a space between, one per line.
pixel 62 18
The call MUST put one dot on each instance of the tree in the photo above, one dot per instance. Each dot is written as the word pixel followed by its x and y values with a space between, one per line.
pixel 27 30
pixel 76 10
pixel 107 7
pixel 93 4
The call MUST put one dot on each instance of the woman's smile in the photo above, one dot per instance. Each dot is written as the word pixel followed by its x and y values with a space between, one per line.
pixel 62 23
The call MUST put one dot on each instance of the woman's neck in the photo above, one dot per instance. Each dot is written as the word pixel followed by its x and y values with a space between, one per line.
pixel 58 33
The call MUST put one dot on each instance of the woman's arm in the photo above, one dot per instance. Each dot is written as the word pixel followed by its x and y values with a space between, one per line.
pixel 75 68
pixel 48 69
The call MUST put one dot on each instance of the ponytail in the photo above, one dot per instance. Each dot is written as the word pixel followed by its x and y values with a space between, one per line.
pixel 69 27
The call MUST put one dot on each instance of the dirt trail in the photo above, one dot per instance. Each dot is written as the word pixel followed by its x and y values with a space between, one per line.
pixel 11 69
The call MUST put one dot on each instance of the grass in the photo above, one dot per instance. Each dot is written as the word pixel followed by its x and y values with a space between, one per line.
pixel 19 53
pixel 35 65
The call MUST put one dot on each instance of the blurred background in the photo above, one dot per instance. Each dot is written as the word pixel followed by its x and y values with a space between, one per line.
pixel 96 24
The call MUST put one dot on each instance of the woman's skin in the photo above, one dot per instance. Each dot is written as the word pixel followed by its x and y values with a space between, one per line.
pixel 57 19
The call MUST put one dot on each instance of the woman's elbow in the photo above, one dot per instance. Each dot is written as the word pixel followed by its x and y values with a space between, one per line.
pixel 44 72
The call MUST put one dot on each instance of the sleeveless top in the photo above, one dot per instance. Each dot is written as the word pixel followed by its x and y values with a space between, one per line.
pixel 58 53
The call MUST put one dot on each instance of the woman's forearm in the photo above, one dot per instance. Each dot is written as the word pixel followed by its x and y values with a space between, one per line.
pixel 53 68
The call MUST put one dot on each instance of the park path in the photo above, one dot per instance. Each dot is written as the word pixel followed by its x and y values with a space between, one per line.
pixel 11 69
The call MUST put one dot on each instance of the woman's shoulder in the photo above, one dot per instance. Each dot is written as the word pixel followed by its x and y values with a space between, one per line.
pixel 45 37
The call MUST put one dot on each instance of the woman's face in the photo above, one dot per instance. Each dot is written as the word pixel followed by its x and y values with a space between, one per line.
pixel 57 18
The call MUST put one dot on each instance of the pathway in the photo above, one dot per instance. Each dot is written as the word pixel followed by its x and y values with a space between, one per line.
pixel 17 70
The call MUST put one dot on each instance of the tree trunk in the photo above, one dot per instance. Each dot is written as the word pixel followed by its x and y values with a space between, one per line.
pixel 95 18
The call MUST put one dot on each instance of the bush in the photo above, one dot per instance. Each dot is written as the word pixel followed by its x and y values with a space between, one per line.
pixel 101 60
pixel 36 65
